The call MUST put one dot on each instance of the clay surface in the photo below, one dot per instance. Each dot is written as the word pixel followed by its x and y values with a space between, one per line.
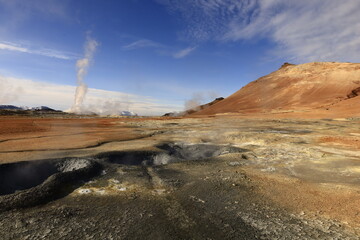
pixel 222 177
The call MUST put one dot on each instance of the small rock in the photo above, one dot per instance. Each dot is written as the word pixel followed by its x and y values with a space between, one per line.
pixel 234 163
pixel 114 181
pixel 85 191
pixel 269 169
pixel 122 189
pixel 160 191
pixel 100 191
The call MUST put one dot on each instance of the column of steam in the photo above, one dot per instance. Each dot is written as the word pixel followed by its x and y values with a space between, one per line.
pixel 82 66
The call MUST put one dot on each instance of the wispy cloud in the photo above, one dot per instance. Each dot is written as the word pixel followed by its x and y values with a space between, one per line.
pixel 51 8
pixel 208 20
pixel 42 51
pixel 25 92
pixel 184 52
pixel 18 12
pixel 161 49
pixel 307 30
pixel 143 43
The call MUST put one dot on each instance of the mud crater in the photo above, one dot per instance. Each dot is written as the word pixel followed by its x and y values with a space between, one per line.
pixel 26 184
pixel 24 175
pixel 169 153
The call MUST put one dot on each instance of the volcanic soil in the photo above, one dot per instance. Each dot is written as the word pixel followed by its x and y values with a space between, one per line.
pixel 311 90
pixel 219 177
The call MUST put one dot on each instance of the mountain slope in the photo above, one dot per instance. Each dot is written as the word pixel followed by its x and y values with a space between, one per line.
pixel 304 87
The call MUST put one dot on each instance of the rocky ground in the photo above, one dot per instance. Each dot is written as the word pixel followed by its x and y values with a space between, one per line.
pixel 194 178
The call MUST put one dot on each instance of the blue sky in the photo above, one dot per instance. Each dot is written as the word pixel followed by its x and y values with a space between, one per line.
pixel 154 55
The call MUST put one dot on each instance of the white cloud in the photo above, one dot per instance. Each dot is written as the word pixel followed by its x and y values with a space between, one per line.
pixel 184 52
pixel 307 30
pixel 207 20
pixel 162 49
pixel 25 92
pixel 42 51
pixel 4 46
pixel 143 43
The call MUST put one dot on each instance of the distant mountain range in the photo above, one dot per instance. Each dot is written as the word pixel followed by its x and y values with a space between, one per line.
pixel 41 108
pixel 11 109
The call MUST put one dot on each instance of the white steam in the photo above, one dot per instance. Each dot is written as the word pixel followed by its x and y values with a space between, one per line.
pixel 194 102
pixel 82 66
pixel 105 107
pixel 8 92
pixel 200 98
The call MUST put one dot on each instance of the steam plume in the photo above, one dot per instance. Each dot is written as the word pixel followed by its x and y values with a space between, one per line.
pixel 199 98
pixel 82 66
pixel 193 103
pixel 9 92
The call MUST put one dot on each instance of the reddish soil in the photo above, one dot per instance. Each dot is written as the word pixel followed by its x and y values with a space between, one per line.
pixel 312 90
pixel 297 195
pixel 348 142
pixel 270 144
pixel 21 137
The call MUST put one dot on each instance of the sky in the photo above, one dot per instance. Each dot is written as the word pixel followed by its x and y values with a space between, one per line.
pixel 156 56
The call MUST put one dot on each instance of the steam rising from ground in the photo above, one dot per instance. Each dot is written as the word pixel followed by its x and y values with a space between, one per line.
pixel 82 66
pixel 8 92
pixel 200 98
pixel 106 107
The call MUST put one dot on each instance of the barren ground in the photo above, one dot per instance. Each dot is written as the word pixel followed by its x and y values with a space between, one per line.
pixel 318 89
pixel 226 178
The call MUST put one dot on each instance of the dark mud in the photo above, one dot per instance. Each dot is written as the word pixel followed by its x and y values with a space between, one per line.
pixel 212 202
pixel 28 184
pixel 139 195
pixel 24 175
pixel 171 153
